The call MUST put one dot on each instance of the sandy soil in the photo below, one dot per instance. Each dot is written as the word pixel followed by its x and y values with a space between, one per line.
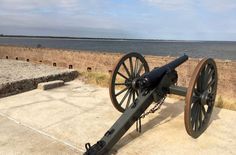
pixel 103 62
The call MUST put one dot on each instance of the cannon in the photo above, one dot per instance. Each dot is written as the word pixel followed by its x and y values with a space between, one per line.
pixel 133 88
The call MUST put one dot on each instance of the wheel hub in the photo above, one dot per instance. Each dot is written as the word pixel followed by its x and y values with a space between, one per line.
pixel 204 98
pixel 134 83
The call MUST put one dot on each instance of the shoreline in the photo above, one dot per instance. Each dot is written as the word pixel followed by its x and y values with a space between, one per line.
pixel 115 39
pixel 219 50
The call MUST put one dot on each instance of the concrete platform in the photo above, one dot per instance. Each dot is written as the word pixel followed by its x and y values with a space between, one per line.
pixel 62 120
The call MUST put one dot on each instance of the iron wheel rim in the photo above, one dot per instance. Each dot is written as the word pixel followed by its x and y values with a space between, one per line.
pixel 200 97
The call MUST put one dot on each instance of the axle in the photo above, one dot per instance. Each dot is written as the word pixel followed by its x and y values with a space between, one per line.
pixel 178 90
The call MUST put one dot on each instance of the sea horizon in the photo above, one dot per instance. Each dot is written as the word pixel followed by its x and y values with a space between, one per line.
pixel 193 48
pixel 110 38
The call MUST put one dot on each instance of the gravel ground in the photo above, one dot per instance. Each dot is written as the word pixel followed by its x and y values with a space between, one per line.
pixel 21 76
pixel 12 70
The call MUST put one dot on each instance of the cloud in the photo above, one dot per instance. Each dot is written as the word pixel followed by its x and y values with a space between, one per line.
pixel 68 13
pixel 219 5
pixel 68 17
pixel 171 19
pixel 58 6
pixel 13 6
pixel 210 5
pixel 171 4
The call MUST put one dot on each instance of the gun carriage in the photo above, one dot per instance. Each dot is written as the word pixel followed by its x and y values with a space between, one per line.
pixel 133 88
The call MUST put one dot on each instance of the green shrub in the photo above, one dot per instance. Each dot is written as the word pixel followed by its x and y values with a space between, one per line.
pixel 220 102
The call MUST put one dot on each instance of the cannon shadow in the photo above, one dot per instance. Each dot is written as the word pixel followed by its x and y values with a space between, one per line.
pixel 215 115
pixel 171 111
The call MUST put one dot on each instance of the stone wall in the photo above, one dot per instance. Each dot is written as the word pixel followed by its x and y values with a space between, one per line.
pixel 20 86
pixel 104 62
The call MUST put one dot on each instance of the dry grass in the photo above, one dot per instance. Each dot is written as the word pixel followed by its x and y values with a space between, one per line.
pixel 99 78
pixel 225 103
pixel 95 78
pixel 103 80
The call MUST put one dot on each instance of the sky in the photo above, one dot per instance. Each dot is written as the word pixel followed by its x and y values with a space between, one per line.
pixel 134 19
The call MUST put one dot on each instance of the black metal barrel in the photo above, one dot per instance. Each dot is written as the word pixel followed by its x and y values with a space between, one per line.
pixel 177 62
pixel 152 78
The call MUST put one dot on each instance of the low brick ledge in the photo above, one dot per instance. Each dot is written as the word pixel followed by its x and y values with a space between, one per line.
pixel 24 85
pixel 50 84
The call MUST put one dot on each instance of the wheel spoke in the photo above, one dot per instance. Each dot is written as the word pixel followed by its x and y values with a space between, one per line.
pixel 192 122
pixel 199 84
pixel 211 72
pixel 136 92
pixel 205 77
pixel 136 67
pixel 122 75
pixel 202 79
pixel 140 69
pixel 193 109
pixel 196 99
pixel 193 113
pixel 131 66
pixel 196 118
pixel 200 117
pixel 196 93
pixel 126 69
pixel 203 111
pixel 210 75
pixel 119 83
pixel 213 91
pixel 125 96
pixel 133 96
pixel 127 104
pixel 211 83
pixel 123 90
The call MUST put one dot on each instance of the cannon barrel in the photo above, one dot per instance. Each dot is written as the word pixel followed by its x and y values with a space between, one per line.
pixel 177 62
pixel 151 79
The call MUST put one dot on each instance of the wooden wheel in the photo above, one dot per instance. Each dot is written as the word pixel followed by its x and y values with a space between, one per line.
pixel 122 87
pixel 200 97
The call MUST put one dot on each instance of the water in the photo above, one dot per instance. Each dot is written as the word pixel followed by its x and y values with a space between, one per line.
pixel 197 49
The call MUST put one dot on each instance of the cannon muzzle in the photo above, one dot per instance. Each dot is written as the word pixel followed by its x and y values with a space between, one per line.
pixel 177 62
pixel 151 79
